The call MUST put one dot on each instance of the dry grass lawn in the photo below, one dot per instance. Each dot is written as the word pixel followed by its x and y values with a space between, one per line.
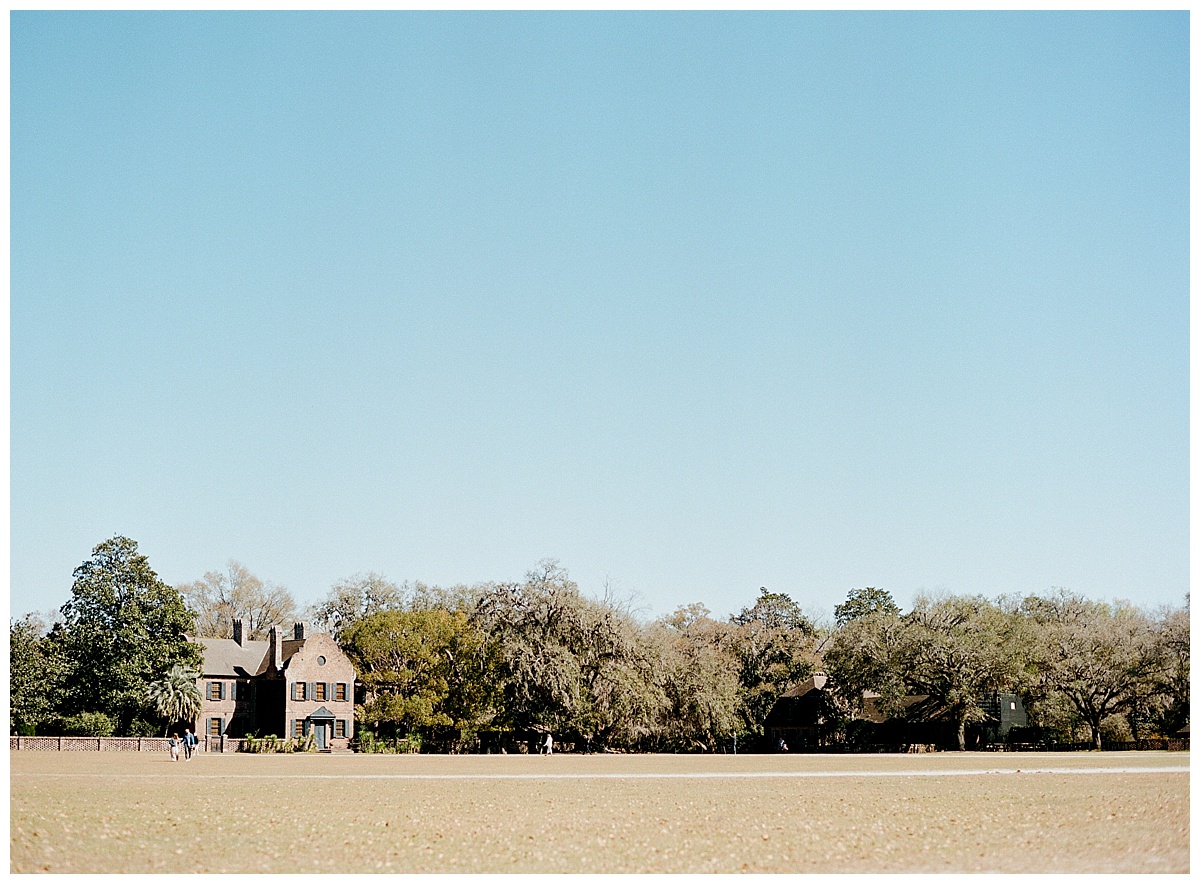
pixel 128 812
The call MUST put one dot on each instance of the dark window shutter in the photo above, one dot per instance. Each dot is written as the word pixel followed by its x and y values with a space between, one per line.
pixel 293 690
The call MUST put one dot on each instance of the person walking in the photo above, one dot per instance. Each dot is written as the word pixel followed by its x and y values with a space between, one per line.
pixel 548 746
pixel 189 744
pixel 174 744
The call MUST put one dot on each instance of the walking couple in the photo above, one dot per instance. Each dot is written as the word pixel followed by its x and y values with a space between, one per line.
pixel 188 744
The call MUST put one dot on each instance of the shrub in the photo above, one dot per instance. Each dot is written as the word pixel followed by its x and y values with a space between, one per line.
pixel 141 728
pixel 272 744
pixel 370 744
pixel 88 724
pixel 269 743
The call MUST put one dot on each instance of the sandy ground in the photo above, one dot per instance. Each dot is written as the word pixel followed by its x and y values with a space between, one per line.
pixel 948 812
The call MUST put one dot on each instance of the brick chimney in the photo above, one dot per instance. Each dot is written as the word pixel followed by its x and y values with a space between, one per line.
pixel 298 631
pixel 276 647
pixel 237 631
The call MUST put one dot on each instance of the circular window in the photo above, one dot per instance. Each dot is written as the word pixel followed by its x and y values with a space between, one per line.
pixel 320 661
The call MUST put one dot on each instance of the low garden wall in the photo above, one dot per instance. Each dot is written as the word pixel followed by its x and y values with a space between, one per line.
pixel 116 744
pixel 88 744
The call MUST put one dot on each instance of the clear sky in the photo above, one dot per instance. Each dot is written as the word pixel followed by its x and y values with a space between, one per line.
pixel 695 303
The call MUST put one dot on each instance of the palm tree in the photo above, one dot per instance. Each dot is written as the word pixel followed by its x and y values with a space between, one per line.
pixel 176 696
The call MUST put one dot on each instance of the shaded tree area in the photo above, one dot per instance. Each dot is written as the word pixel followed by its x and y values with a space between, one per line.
pixel 566 663
pixel 1109 659
pixel 1077 664
pixel 698 672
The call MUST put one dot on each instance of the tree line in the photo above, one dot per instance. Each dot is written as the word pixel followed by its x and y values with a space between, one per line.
pixel 458 668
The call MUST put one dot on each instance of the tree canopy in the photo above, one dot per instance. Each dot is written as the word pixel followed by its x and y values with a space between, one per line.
pixel 513 659
pixel 122 628
pixel 220 597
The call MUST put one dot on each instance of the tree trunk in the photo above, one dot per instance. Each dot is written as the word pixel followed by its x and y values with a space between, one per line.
pixel 1095 726
pixel 962 734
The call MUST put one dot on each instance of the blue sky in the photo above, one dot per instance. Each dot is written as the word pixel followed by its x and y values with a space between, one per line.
pixel 694 303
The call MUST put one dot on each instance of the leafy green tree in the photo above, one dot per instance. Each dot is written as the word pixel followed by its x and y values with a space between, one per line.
pixel 959 650
pixel 868 653
pixel 620 697
pixel 220 597
pixel 1102 658
pixel 698 671
pixel 176 695
pixel 774 643
pixel 423 671
pixel 565 663
pixel 122 628
pixel 863 602
pixel 34 676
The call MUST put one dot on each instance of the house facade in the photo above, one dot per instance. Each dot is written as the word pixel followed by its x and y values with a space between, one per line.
pixel 291 685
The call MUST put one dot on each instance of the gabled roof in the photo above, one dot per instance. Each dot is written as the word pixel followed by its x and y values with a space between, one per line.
pixel 288 648
pixel 872 713
pixel 225 657
pixel 816 683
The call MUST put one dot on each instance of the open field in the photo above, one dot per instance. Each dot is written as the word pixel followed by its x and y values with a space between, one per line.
pixel 118 812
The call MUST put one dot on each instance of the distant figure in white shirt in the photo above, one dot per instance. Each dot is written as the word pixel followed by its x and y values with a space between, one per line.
pixel 548 746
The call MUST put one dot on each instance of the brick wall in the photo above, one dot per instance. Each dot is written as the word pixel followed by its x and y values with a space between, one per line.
pixel 306 666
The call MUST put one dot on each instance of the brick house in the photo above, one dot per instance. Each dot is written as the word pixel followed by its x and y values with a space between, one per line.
pixel 289 687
